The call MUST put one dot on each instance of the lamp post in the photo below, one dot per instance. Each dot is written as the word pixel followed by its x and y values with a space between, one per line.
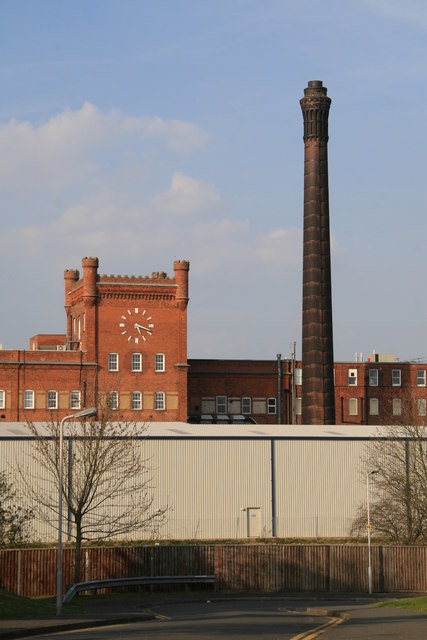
pixel 368 526
pixel 84 413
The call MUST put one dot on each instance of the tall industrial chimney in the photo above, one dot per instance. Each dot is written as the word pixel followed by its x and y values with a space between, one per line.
pixel 318 401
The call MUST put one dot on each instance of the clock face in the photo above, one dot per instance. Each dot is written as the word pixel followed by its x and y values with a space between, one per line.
pixel 136 325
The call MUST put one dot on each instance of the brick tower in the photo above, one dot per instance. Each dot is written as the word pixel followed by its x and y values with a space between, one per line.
pixel 318 403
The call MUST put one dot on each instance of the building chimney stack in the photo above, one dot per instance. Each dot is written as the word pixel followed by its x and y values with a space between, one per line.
pixel 318 402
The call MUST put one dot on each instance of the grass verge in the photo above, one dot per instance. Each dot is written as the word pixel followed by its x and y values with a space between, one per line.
pixel 15 607
pixel 417 603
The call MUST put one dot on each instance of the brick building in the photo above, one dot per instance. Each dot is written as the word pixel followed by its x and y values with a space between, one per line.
pixel 382 391
pixel 125 346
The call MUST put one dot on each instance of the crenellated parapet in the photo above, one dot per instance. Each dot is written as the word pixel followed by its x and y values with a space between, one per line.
pixel 156 276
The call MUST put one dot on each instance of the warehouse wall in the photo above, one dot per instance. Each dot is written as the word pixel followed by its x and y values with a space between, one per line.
pixel 222 488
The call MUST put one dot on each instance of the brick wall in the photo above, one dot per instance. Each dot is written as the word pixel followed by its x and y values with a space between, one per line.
pixel 121 315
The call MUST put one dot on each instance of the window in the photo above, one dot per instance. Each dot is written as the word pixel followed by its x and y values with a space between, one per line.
pixel 373 406
pixel 246 406
pixel 113 400
pixel 113 362
pixel 397 406
pixel 298 406
pixel 221 404
pixel 373 377
pixel 352 378
pixel 421 377
pixel 422 407
pixel 271 406
pixel 352 406
pixel 2 399
pixel 396 377
pixel 136 400
pixel 137 362
pixel 298 376
pixel 28 399
pixel 52 399
pixel 159 401
pixel 75 400
pixel 159 362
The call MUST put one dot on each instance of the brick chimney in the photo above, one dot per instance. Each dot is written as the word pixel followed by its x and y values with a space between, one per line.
pixel 318 401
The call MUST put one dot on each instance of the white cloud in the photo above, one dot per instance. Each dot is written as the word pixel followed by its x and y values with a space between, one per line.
pixel 187 196
pixel 65 148
pixel 281 247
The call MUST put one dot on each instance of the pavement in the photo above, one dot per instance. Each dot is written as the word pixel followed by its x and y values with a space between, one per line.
pixel 136 607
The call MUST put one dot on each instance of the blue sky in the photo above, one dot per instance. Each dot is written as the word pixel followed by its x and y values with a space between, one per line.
pixel 153 130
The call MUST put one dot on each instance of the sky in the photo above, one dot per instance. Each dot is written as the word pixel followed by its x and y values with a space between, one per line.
pixel 145 131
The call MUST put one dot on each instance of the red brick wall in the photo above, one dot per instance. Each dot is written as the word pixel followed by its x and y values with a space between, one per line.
pixel 94 308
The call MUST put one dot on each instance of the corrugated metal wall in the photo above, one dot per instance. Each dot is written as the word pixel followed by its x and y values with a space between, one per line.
pixel 209 485
pixel 318 486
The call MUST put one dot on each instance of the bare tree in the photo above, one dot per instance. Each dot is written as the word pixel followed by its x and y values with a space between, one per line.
pixel 14 519
pixel 398 505
pixel 107 485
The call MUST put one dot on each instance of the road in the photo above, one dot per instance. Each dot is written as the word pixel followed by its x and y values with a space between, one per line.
pixel 263 619
pixel 260 620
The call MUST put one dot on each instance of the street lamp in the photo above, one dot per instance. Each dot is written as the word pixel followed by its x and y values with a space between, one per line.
pixel 368 526
pixel 84 413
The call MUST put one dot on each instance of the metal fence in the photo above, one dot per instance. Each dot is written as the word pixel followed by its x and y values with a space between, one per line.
pixel 244 567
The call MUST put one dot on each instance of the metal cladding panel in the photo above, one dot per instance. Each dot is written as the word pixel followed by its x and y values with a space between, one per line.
pixel 209 484
pixel 319 486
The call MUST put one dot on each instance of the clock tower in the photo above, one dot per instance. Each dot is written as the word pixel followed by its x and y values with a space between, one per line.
pixel 135 329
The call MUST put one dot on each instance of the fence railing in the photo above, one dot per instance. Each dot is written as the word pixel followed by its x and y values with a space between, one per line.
pixel 240 567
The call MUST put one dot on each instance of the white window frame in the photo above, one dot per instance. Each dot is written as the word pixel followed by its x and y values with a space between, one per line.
pixel 298 376
pixel 2 399
pixel 373 377
pixel 52 399
pixel 136 363
pixel 397 406
pixel 422 406
pixel 421 377
pixel 113 362
pixel 353 407
pixel 136 401
pixel 298 406
pixel 75 399
pixel 159 401
pixel 159 362
pixel 396 377
pixel 246 406
pixel 113 400
pixel 221 405
pixel 271 406
pixel 374 407
pixel 28 399
pixel 352 378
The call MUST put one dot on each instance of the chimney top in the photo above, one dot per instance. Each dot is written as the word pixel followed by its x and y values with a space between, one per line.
pixel 315 87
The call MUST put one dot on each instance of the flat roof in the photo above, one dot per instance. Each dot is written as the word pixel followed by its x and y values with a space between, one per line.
pixel 184 430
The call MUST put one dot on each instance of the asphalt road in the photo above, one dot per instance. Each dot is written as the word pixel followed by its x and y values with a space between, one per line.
pixel 366 623
pixel 263 620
